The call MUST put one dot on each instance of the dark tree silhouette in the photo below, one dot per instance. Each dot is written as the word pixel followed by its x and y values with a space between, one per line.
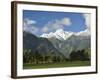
pixel 79 55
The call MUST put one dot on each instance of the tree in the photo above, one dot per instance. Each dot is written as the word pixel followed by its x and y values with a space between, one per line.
pixel 79 55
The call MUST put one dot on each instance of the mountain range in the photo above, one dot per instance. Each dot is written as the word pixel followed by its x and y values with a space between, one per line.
pixel 42 45
pixel 66 42
pixel 60 43
pixel 64 35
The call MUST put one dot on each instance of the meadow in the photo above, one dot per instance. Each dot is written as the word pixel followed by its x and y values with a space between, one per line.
pixel 57 65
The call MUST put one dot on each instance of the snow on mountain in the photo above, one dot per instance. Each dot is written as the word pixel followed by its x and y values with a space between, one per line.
pixel 84 33
pixel 66 41
pixel 64 35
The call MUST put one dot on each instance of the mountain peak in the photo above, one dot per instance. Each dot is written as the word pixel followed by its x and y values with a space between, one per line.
pixel 64 35
pixel 59 34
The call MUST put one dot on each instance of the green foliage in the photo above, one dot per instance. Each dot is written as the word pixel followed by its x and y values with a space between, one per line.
pixel 35 58
pixel 82 55
pixel 30 57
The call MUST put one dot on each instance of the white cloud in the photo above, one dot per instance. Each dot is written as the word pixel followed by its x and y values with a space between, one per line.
pixel 87 18
pixel 66 21
pixel 56 24
pixel 28 25
pixel 29 21
pixel 45 29
pixel 33 30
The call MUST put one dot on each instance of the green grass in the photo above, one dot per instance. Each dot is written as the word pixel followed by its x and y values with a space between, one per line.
pixel 56 65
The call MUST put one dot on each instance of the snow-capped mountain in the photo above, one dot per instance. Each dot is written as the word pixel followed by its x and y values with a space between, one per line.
pixel 84 33
pixel 42 45
pixel 66 42
pixel 64 35
pixel 59 34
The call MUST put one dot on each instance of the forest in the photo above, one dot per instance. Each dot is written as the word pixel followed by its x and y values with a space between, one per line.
pixel 30 57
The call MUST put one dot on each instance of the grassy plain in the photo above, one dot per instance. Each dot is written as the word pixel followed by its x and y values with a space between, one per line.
pixel 57 65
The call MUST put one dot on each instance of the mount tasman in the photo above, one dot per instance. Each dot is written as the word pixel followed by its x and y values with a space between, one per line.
pixel 60 43
pixel 66 41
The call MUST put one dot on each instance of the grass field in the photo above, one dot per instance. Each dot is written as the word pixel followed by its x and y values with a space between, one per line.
pixel 57 65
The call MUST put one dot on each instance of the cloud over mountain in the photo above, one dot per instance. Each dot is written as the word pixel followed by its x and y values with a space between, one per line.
pixel 29 26
pixel 57 24
pixel 87 18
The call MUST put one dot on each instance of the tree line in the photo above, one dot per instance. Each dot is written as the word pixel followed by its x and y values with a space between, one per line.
pixel 81 55
pixel 31 57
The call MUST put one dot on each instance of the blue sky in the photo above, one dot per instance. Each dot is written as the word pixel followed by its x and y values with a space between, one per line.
pixel 39 22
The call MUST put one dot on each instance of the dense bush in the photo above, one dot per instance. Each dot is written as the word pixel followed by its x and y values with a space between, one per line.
pixel 79 55
pixel 36 58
